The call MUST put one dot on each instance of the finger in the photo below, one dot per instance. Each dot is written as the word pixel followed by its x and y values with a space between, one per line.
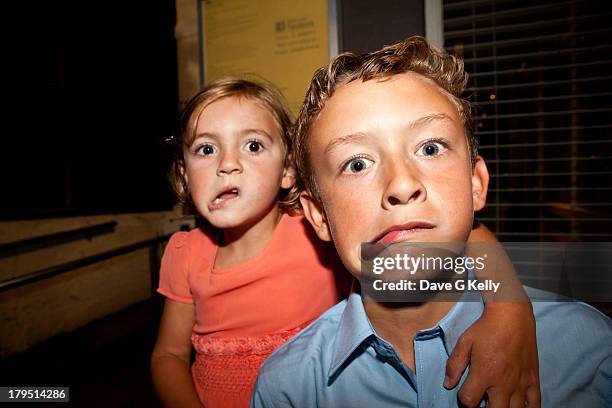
pixel 533 397
pixel 472 391
pixel 498 399
pixel 518 400
pixel 457 362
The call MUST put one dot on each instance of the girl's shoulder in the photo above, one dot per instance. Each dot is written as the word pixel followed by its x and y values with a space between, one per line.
pixel 197 238
pixel 185 251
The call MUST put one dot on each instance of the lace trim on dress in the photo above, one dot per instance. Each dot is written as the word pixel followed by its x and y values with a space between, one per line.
pixel 266 344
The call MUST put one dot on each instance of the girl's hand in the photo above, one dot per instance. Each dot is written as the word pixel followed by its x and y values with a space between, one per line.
pixel 502 351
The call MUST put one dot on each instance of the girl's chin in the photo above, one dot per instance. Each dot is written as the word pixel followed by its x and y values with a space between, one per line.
pixel 225 224
pixel 231 222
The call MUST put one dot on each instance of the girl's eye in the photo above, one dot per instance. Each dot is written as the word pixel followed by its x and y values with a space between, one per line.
pixel 431 149
pixel 254 146
pixel 205 150
pixel 357 165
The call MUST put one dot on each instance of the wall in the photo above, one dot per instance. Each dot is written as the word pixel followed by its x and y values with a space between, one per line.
pixel 33 313
pixel 187 48
pixel 363 26
pixel 366 26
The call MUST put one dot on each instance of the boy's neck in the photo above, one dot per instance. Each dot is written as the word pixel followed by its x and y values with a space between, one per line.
pixel 398 323
pixel 245 242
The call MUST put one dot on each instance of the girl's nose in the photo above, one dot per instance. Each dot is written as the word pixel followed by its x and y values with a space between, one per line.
pixel 229 164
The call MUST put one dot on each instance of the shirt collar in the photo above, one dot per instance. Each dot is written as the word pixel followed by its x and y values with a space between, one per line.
pixel 355 327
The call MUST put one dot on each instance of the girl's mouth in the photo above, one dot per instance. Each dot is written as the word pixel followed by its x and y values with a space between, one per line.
pixel 231 193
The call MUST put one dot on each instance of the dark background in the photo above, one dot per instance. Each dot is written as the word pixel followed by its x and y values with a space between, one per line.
pixel 92 95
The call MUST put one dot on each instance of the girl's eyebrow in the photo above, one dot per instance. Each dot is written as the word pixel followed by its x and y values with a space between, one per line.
pixel 260 132
pixel 196 137
pixel 243 132
pixel 204 134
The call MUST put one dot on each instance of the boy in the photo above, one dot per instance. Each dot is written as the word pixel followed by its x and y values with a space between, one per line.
pixel 384 145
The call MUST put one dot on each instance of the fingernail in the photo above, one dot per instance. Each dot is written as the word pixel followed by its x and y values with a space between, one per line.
pixel 446 381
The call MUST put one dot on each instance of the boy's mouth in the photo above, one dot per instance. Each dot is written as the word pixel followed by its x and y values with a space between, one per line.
pixel 399 233
pixel 230 193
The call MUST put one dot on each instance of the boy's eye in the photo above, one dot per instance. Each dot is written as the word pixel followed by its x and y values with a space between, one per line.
pixel 254 146
pixel 431 149
pixel 205 150
pixel 357 165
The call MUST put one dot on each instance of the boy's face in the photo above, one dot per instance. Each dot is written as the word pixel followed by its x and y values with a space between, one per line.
pixel 392 164
pixel 235 164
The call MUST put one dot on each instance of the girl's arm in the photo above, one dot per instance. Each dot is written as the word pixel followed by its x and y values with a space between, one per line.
pixel 171 357
pixel 501 346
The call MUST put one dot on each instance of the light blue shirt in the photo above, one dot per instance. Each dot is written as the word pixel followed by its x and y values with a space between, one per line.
pixel 340 361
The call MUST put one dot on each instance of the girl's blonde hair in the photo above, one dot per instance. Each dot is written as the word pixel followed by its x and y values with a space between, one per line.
pixel 263 93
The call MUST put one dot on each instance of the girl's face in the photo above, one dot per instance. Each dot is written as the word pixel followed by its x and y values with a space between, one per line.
pixel 235 165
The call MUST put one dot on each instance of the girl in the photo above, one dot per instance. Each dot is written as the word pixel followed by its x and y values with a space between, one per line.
pixel 239 288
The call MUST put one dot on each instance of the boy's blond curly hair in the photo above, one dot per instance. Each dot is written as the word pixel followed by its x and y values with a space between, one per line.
pixel 261 92
pixel 411 55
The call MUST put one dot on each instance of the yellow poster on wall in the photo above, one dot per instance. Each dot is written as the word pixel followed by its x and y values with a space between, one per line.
pixel 281 41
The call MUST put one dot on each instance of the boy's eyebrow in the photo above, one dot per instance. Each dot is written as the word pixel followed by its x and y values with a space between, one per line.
pixel 344 140
pixel 427 119
pixel 417 123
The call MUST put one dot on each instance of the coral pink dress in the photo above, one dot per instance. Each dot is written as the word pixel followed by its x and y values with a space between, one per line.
pixel 246 312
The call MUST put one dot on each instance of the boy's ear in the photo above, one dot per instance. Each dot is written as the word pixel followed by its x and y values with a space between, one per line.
pixel 316 216
pixel 480 183
pixel 288 179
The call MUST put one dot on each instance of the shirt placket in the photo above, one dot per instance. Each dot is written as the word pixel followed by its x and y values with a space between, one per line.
pixel 430 362
pixel 388 354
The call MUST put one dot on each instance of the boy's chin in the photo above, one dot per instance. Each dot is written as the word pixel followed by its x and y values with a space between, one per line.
pixel 354 268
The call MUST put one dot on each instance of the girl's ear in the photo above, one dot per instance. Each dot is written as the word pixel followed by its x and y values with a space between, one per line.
pixel 316 216
pixel 480 183
pixel 182 171
pixel 288 179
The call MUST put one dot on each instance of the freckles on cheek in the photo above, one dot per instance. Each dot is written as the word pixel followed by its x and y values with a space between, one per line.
pixel 458 202
pixel 345 213
pixel 344 199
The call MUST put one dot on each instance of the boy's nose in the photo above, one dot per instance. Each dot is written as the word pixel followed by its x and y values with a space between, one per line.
pixel 229 163
pixel 403 187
